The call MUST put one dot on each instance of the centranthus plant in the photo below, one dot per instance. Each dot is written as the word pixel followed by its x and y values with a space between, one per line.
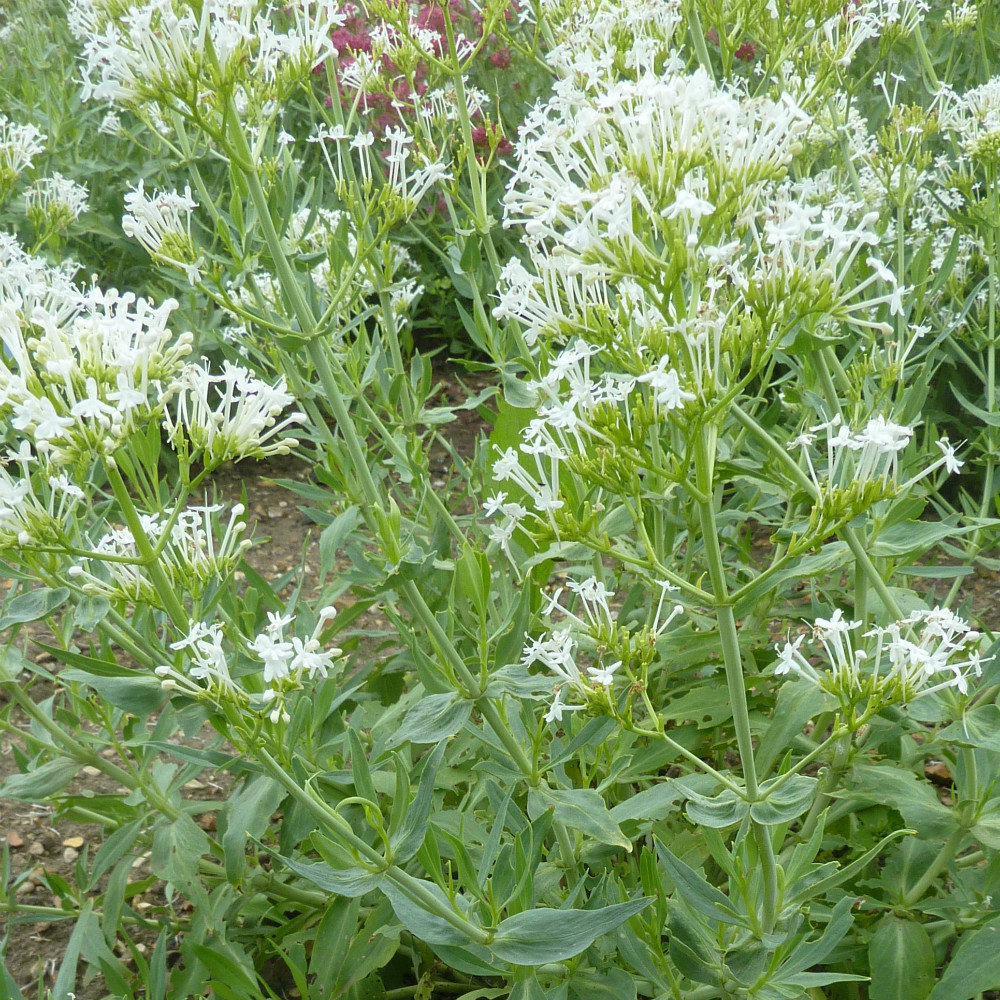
pixel 653 708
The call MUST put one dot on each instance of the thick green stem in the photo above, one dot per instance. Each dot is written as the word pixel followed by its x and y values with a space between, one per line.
pixel 733 661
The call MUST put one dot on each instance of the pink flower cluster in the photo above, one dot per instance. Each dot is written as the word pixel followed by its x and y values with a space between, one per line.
pixel 393 97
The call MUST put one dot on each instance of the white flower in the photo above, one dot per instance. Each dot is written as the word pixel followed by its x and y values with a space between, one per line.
pixel 908 659
pixel 162 224
pixel 19 145
pixel 951 463
pixel 666 385
pixel 167 52
pixel 604 675
pixel 55 201
pixel 276 654
pixel 556 709
pixel 230 416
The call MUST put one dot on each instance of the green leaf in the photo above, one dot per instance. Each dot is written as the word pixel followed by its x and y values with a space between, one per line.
pixel 797 703
pixel 333 537
pixel 350 882
pixel 40 782
pixel 434 718
pixel 656 802
pixel 975 966
pixel 66 979
pixel 716 811
pixel 979 727
pixel 248 814
pixel 901 960
pixel 915 800
pixel 177 849
pixel 410 836
pixel 138 694
pixel 791 799
pixel 12 664
pixel 538 936
pixel 427 926
pixel 809 953
pixel 90 664
pixel 33 605
pixel 90 610
pixel 695 890
pixel 986 416
pixel 987 828
pixel 580 809
pixel 702 706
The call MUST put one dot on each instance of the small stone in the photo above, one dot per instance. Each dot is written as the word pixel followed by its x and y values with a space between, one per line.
pixel 194 785
pixel 24 889
pixel 91 771
pixel 70 855
pixel 14 839
pixel 36 848
pixel 74 842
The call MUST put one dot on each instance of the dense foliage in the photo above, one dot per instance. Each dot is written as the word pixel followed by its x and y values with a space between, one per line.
pixel 653 709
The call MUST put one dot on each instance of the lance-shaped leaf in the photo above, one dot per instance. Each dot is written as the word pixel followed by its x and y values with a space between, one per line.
pixel 536 937
pixel 407 840
pixel 348 882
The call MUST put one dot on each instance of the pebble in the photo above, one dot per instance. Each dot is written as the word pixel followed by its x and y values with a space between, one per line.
pixel 70 855
pixel 76 842
pixel 24 889
pixel 91 771
pixel 36 848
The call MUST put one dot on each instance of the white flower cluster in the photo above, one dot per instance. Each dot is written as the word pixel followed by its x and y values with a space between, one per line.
pixel 287 661
pixel 925 652
pixel 187 550
pixel 76 377
pixel 35 511
pixel 667 253
pixel 229 416
pixel 162 224
pixel 19 145
pixel 182 55
pixel 559 650
pixel 870 455
pixel 973 119
pixel 81 371
pixel 406 171
pixel 55 202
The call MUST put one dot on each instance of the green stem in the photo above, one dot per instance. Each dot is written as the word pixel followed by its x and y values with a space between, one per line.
pixel 336 824
pixel 733 660
pixel 165 589
pixel 831 779
pixel 948 851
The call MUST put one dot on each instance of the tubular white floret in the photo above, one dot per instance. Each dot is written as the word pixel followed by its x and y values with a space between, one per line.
pixel 229 416
pixel 190 555
pixel 925 652
pixel 162 224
